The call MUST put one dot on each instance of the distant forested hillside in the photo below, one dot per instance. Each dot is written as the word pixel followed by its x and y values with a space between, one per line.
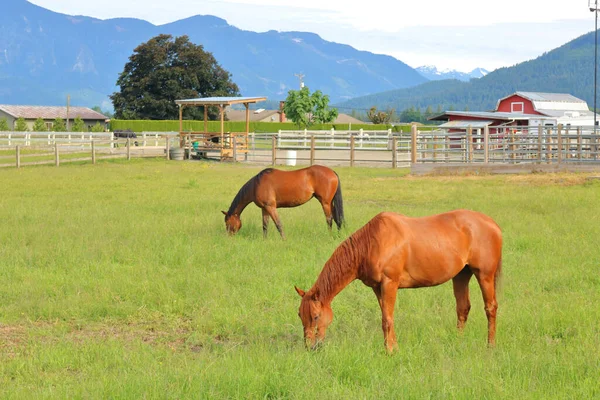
pixel 567 69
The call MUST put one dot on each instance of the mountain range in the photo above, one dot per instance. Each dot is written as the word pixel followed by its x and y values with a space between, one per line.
pixel 46 55
pixel 432 73
pixel 566 69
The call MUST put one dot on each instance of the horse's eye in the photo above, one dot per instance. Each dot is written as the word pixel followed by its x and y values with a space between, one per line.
pixel 316 317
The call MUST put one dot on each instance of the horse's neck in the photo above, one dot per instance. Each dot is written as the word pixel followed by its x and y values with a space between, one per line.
pixel 336 275
pixel 242 203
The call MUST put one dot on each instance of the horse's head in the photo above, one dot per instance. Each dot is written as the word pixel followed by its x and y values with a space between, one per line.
pixel 233 223
pixel 315 317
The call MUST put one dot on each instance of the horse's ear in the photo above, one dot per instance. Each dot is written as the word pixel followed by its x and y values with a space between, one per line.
pixel 300 291
pixel 224 213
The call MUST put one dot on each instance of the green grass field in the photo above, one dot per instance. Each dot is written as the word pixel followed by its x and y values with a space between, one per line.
pixel 117 280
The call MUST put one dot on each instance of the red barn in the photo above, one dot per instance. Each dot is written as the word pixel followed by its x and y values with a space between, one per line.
pixel 523 109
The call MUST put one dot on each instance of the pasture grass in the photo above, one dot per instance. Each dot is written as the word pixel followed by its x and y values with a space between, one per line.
pixel 118 281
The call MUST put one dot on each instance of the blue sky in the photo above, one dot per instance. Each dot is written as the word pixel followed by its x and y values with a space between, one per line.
pixel 458 34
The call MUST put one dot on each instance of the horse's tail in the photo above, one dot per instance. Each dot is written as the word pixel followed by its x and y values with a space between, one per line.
pixel 337 205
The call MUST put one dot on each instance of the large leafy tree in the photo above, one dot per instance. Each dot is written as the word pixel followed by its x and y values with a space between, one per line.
pixel 306 109
pixel 163 70
pixel 3 124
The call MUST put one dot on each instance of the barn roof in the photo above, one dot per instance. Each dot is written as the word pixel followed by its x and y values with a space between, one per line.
pixel 542 102
pixel 50 112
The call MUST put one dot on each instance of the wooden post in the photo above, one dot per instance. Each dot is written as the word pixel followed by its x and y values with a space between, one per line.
pixel 234 143
pixel 413 144
pixel 549 145
pixel 486 144
pixel 469 144
pixel 56 156
pixel 579 149
pixel 128 149
pixel 540 141
pixel 559 142
pixel 312 149
pixel 394 153
pixel 222 113
pixel 274 150
pixel 167 149
pixel 205 119
pixel 93 152
pixel 352 143
pixel 447 146
pixel 18 155
pixel 181 125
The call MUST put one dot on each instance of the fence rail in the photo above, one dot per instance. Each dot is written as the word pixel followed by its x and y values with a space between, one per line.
pixel 497 145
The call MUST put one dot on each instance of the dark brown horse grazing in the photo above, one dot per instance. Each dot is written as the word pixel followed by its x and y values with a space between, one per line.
pixel 271 189
pixel 393 251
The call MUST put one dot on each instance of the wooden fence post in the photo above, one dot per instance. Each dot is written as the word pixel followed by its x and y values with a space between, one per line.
pixel 413 144
pixel 352 150
pixel 56 156
pixel 234 149
pixel 93 152
pixel 312 149
pixel 469 144
pixel 167 149
pixel 559 143
pixel 18 155
pixel 394 153
pixel 486 144
pixel 579 149
pixel 273 150
pixel 540 135
pixel 128 149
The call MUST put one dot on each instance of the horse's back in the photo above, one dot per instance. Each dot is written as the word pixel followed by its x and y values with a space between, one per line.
pixel 435 248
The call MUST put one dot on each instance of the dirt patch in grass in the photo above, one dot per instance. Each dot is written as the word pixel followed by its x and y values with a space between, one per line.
pixel 549 179
pixel 14 339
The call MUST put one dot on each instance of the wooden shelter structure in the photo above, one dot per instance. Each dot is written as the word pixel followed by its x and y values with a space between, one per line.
pixel 227 144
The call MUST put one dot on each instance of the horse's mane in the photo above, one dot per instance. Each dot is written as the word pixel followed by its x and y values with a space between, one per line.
pixel 248 188
pixel 347 259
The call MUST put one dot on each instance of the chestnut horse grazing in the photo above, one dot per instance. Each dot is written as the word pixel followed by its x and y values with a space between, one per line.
pixel 393 251
pixel 272 188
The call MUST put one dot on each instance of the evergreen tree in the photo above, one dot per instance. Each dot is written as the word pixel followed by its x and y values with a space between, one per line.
pixel 3 124
pixel 59 125
pixel 98 127
pixel 40 125
pixel 78 125
pixel 21 125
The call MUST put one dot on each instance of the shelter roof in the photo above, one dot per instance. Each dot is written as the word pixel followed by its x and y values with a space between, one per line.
pixel 216 101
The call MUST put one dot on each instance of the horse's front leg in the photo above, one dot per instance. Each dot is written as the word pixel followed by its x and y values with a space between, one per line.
pixel 272 211
pixel 265 218
pixel 387 301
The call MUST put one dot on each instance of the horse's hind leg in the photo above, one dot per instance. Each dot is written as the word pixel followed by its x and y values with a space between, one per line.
pixel 488 290
pixel 265 218
pixel 328 214
pixel 461 292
